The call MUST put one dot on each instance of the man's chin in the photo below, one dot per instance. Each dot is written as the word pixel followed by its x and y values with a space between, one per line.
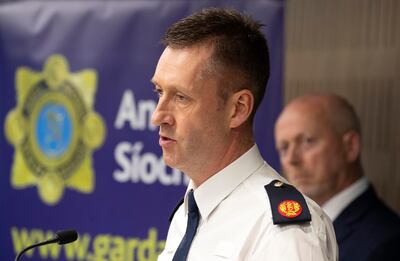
pixel 303 188
pixel 311 192
pixel 301 181
pixel 169 160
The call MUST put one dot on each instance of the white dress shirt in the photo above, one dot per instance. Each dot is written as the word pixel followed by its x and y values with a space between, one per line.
pixel 236 220
pixel 335 205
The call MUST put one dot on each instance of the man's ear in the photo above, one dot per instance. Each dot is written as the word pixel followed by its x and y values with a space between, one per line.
pixel 352 145
pixel 242 106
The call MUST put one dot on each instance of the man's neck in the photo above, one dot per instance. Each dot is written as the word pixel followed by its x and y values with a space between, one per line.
pixel 351 175
pixel 231 153
pixel 335 205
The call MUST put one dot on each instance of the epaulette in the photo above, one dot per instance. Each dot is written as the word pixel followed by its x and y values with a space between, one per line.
pixel 175 209
pixel 288 205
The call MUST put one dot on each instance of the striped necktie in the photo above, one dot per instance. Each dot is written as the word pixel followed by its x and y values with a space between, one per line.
pixel 191 228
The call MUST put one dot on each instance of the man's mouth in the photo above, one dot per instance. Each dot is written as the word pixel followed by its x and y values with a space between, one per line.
pixel 165 138
pixel 165 141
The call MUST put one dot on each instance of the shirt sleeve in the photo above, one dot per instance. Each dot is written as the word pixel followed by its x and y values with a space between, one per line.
pixel 314 241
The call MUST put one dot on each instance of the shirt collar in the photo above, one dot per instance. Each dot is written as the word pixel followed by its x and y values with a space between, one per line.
pixel 210 194
pixel 334 206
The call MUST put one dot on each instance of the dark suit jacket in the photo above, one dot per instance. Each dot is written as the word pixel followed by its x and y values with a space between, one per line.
pixel 368 230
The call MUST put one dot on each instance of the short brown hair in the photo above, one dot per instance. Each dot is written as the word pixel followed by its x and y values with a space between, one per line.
pixel 240 48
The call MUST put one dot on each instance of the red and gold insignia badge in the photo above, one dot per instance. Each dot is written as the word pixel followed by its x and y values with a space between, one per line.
pixel 289 208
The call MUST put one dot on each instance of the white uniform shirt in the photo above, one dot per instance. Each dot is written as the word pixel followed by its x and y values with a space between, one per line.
pixel 236 220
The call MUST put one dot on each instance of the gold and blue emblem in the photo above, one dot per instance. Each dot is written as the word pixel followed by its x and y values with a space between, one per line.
pixel 54 129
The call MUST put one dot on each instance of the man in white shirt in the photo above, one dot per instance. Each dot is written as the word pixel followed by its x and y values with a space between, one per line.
pixel 210 79
pixel 318 138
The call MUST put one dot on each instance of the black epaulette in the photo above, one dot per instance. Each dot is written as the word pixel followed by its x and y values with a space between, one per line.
pixel 175 209
pixel 288 205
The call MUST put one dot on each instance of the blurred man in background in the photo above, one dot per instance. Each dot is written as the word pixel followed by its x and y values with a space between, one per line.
pixel 318 138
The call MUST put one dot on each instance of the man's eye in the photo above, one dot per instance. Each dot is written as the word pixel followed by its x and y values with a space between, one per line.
pixel 159 92
pixel 282 150
pixel 309 140
pixel 181 98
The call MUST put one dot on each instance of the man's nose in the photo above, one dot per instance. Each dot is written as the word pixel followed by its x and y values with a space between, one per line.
pixel 162 115
pixel 292 156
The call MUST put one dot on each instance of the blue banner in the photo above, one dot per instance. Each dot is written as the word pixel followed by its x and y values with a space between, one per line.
pixel 77 146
